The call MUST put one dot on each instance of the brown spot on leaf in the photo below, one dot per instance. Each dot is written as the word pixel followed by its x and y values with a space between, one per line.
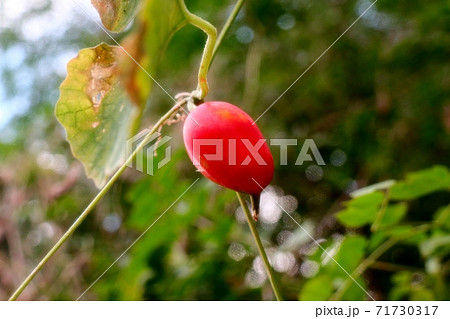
pixel 102 75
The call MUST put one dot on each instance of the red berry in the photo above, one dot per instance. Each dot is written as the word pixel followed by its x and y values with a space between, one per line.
pixel 226 147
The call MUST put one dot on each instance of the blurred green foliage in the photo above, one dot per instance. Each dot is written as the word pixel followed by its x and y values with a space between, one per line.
pixel 388 228
pixel 377 105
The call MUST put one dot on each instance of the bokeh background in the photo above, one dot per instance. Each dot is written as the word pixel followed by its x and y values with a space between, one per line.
pixel 377 105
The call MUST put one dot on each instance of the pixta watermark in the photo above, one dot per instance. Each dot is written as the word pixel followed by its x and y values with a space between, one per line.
pixel 156 141
pixel 230 150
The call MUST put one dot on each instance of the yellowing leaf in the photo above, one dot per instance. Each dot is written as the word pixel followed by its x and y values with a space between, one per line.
pixel 95 111
pixel 116 14
pixel 156 23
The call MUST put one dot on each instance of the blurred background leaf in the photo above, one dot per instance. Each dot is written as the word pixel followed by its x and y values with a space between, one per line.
pixel 116 14
pixel 421 183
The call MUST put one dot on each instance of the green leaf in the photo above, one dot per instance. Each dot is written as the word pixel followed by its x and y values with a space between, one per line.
pixel 405 287
pixel 376 240
pixel 422 294
pixel 95 112
pixel 361 210
pixel 354 291
pixel 399 230
pixel 401 282
pixel 421 183
pixel 393 214
pixel 317 289
pixel 351 252
pixel 156 23
pixel 403 232
pixel 442 217
pixel 116 14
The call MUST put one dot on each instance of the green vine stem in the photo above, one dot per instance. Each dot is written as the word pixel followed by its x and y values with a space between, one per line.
pixel 262 252
pixel 211 32
pixel 237 7
pixel 96 199
pixel 372 258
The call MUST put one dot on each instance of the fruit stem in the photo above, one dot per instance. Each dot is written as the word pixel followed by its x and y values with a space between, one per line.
pixel 262 252
pixel 211 32
pixel 96 199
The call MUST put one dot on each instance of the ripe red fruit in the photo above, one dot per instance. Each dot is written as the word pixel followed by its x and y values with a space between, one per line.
pixel 226 147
